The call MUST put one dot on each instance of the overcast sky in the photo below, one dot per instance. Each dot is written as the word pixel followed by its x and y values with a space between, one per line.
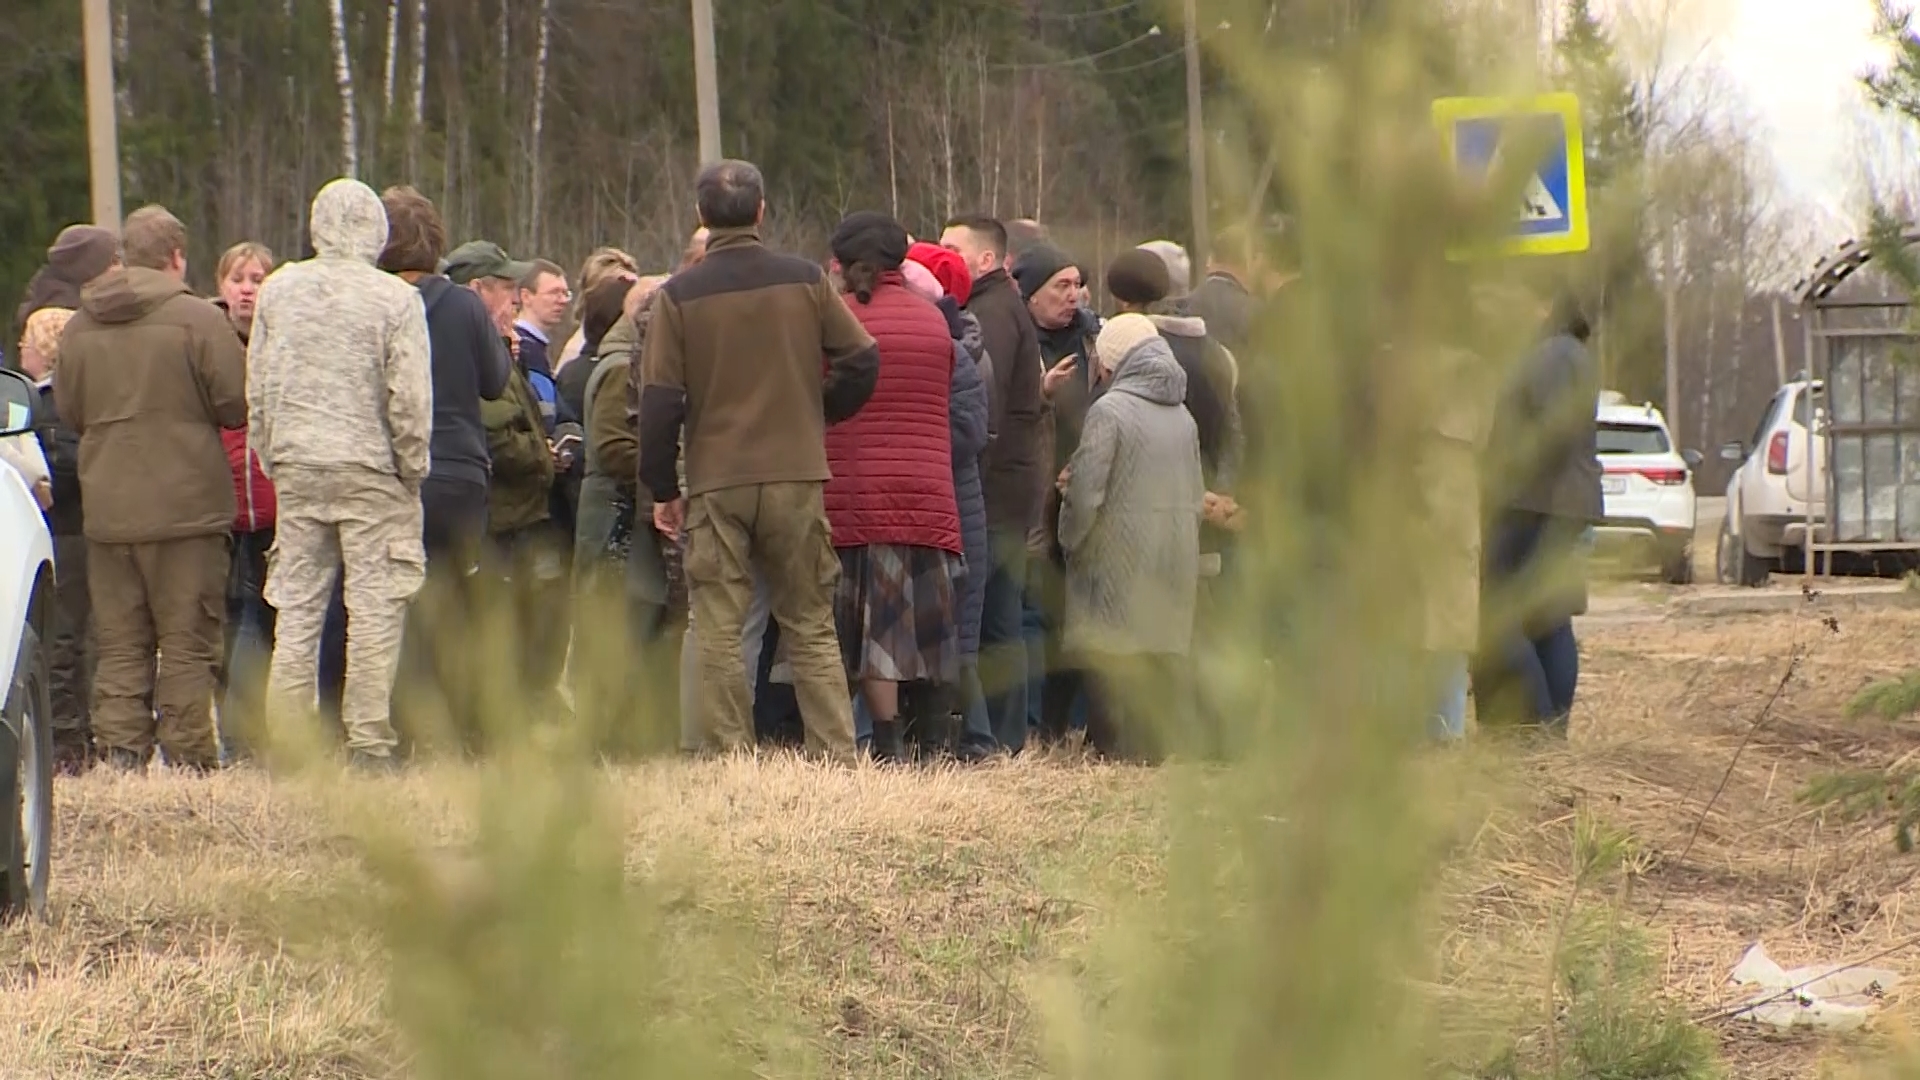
pixel 1798 63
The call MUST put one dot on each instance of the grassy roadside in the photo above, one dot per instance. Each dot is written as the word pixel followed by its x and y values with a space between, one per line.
pixel 923 924
pixel 220 927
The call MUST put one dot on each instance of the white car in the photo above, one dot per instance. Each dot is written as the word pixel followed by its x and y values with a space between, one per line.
pixel 1647 486
pixel 26 734
pixel 1776 489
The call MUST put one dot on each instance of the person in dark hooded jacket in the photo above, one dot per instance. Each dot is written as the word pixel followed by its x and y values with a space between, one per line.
pixel 1543 491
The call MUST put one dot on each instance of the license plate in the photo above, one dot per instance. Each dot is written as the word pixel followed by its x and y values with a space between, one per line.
pixel 1613 485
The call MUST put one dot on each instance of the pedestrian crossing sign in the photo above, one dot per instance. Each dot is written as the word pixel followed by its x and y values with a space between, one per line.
pixel 1482 134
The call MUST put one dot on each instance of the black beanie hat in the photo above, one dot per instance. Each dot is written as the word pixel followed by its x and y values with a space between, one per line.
pixel 1137 277
pixel 1037 266
pixel 871 238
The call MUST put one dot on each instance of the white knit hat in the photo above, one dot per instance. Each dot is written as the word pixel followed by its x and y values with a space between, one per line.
pixel 1120 336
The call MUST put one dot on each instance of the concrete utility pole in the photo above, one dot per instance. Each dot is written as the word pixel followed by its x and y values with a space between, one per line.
pixel 706 85
pixel 103 136
pixel 1196 146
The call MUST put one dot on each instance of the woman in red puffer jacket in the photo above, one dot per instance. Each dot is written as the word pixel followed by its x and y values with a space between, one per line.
pixel 890 501
pixel 249 619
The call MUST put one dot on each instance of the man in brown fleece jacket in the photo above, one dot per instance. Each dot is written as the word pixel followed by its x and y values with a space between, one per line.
pixel 734 354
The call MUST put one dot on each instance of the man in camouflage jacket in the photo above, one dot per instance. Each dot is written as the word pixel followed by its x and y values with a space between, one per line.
pixel 340 391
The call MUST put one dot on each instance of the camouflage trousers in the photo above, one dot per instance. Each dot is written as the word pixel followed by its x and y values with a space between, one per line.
pixel 364 525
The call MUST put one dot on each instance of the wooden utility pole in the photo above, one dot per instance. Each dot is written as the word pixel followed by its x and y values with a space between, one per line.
pixel 1196 147
pixel 103 135
pixel 706 85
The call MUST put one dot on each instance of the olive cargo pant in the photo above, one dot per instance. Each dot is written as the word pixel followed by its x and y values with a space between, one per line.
pixel 779 531
pixel 367 526
pixel 157 614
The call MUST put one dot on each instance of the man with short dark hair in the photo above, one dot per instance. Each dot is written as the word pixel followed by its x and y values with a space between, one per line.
pixel 733 356
pixel 1012 474
pixel 148 376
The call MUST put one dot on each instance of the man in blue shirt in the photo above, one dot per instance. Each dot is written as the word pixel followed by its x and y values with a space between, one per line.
pixel 544 299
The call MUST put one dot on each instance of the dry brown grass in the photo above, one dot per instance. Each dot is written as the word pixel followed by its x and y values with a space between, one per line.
pixel 215 927
pixel 1666 706
pixel 194 924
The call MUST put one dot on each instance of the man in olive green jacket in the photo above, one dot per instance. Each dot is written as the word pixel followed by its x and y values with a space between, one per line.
pixel 149 374
pixel 526 549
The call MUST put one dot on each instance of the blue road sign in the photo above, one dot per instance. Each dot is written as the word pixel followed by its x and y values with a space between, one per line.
pixel 1551 218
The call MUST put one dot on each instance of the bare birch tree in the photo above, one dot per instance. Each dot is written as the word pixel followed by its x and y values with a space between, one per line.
pixel 534 207
pixel 392 59
pixel 343 74
pixel 416 117
pixel 207 57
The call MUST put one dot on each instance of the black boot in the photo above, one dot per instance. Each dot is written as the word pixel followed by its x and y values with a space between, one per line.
pixel 127 761
pixel 888 746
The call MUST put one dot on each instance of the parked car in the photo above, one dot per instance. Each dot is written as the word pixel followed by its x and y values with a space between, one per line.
pixel 26 735
pixel 1648 489
pixel 1780 485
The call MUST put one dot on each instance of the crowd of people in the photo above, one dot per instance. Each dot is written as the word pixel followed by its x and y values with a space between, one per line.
pixel 919 498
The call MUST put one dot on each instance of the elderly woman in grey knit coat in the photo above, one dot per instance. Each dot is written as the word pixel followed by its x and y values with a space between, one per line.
pixel 1130 527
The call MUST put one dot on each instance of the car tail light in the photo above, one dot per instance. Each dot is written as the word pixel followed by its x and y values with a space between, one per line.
pixel 1777 454
pixel 1654 475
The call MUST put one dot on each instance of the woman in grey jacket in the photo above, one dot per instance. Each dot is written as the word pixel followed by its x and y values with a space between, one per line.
pixel 1130 528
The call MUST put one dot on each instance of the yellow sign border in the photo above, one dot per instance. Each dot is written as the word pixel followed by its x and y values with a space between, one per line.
pixel 1449 112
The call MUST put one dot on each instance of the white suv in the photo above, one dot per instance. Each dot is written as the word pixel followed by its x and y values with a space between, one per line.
pixel 1648 488
pixel 1776 489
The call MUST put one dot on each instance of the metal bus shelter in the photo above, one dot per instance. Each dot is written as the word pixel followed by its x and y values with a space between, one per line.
pixel 1865 354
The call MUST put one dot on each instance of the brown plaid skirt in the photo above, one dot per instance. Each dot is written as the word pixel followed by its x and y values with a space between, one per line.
pixel 894 612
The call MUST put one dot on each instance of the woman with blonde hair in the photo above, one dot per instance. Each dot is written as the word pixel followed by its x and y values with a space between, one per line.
pixel 605 264
pixel 70 644
pixel 243 268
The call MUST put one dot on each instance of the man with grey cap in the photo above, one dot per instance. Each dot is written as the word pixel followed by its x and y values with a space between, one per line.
pixel 341 395
pixel 523 548
pixel 79 255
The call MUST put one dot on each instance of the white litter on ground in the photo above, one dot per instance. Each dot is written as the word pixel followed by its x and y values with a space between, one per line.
pixel 1838 997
